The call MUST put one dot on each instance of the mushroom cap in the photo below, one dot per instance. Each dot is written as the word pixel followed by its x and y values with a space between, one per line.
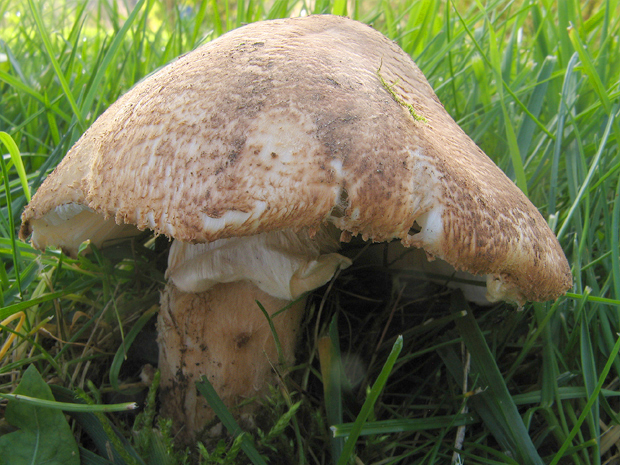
pixel 291 124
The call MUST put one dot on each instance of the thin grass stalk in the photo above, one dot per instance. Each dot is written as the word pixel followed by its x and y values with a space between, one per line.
pixel 52 57
pixel 513 146
pixel 589 376
pixel 614 244
pixel 206 389
pixel 11 226
pixel 369 403
pixel 111 53
pixel 586 410
pixel 18 163
pixel 593 167
pixel 494 405
pixel 332 375
pixel 70 407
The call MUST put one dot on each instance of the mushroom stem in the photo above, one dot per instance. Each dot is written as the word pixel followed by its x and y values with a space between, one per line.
pixel 210 323
pixel 220 333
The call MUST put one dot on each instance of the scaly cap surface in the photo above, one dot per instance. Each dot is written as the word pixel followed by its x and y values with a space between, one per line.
pixel 286 124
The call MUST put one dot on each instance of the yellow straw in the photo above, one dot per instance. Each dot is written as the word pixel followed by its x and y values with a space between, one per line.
pixel 11 338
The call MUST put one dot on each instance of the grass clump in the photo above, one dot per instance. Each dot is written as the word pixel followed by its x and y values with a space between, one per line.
pixel 533 83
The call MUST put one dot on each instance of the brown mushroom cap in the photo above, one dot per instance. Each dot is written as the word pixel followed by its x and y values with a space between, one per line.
pixel 286 124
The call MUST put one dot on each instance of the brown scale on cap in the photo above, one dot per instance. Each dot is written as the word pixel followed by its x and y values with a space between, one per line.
pixel 289 125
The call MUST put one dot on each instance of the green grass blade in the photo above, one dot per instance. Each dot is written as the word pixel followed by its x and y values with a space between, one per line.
pixel 11 225
pixel 413 424
pixel 549 376
pixel 593 298
pixel 278 9
pixel 68 406
pixel 208 392
pixel 90 458
pixel 339 7
pixel 501 415
pixel 14 308
pixel 564 393
pixel 274 333
pixel 36 14
pixel 588 406
pixel 200 20
pixel 215 19
pixel 94 428
pixel 567 99
pixel 121 353
pixel 480 49
pixel 589 68
pixel 332 376
pixel 370 401
pixel 614 242
pixel 535 104
pixel 418 27
pixel 593 168
pixel 21 86
pixel 26 276
pixel 111 53
pixel 589 377
pixel 511 136
pixel 18 163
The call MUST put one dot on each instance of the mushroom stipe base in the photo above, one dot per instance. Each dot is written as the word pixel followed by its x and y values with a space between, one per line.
pixel 221 333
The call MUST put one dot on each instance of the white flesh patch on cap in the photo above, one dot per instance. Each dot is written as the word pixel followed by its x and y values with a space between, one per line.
pixel 498 289
pixel 69 225
pixel 283 264
pixel 336 165
pixel 431 226
pixel 284 133
pixel 233 217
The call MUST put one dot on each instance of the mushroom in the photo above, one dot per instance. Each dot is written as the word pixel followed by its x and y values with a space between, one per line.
pixel 258 153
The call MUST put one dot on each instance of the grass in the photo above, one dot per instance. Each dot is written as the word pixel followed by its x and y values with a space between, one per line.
pixel 534 84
